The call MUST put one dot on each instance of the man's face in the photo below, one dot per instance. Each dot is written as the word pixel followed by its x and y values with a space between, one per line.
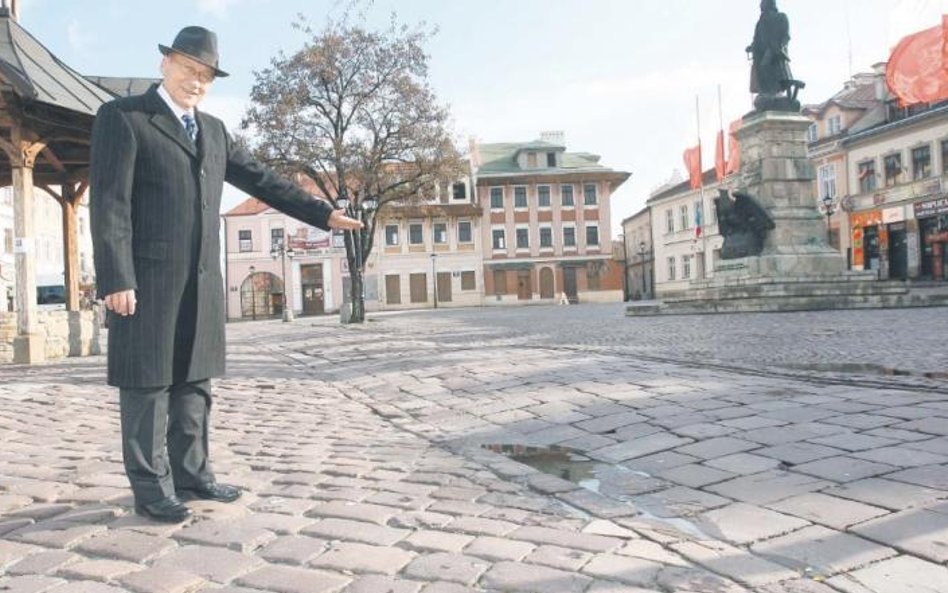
pixel 185 79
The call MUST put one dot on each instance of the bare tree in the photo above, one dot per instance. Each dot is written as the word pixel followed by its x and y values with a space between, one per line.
pixel 354 112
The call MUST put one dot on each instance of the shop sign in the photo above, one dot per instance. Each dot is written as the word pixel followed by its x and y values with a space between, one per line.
pixel 892 215
pixel 866 218
pixel 931 207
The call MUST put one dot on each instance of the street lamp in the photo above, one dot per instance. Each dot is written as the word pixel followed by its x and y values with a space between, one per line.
pixel 281 250
pixel 642 263
pixel 253 294
pixel 829 207
pixel 434 277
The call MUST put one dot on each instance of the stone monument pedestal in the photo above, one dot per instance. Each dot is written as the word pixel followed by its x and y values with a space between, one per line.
pixel 797 269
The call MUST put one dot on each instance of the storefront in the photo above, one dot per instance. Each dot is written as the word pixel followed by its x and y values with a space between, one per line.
pixel 900 234
pixel 932 218
pixel 870 241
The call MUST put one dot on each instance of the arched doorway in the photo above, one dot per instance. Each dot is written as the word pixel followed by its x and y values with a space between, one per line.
pixel 261 296
pixel 547 286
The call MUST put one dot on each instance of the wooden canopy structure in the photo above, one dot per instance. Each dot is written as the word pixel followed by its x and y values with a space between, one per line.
pixel 46 115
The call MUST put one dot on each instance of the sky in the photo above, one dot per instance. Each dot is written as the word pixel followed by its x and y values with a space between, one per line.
pixel 621 78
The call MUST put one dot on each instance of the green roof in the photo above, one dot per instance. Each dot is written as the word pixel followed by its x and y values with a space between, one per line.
pixel 501 158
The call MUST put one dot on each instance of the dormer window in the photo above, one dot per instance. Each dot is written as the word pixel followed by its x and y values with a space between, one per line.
pixel 531 160
pixel 551 160
pixel 834 125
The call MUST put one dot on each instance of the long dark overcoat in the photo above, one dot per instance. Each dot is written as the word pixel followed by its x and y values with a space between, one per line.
pixel 155 204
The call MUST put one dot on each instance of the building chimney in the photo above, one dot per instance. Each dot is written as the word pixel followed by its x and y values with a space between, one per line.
pixel 557 137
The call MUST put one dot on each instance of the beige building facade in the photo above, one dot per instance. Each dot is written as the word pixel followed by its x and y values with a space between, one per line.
pixel 638 249
pixel 546 223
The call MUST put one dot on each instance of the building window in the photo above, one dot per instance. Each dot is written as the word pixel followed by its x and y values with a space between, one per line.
pixel 592 234
pixel 464 231
pixel 459 191
pixel 500 282
pixel 686 266
pixel 520 197
pixel 543 196
pixel 589 194
pixel 669 221
pixel 683 217
pixel 944 157
pixel 418 287
pixel 671 268
pixel 393 289
pixel 827 176
pixel 440 232
pixel 531 160
pixel 893 169
pixel 566 195
pixel 867 176
pixel 8 241
pixel 812 134
pixel 276 239
pixel 468 281
pixel 921 162
pixel 499 241
pixel 415 233
pixel 391 234
pixel 569 236
pixel 834 125
pixel 245 241
pixel 523 238
pixel 551 160
pixel 546 237
pixel 497 198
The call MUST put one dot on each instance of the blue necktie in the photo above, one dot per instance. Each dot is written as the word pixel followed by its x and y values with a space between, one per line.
pixel 190 126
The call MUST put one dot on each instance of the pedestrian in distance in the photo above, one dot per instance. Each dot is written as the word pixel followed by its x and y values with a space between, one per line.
pixel 158 167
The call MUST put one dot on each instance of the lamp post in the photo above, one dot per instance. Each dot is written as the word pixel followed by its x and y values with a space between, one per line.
pixel 434 277
pixel 642 263
pixel 253 294
pixel 282 251
pixel 829 207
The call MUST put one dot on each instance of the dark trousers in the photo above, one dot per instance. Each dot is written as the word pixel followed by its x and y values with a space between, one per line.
pixel 164 438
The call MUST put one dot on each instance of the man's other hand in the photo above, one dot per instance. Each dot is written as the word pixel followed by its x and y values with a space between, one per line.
pixel 121 303
pixel 338 220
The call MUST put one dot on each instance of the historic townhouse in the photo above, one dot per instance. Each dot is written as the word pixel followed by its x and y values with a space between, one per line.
pixel 430 254
pixel 897 202
pixel 546 223
pixel 856 107
pixel 638 251
pixel 686 243
pixel 273 261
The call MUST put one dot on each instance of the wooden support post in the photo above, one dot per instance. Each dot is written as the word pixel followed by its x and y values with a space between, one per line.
pixel 69 203
pixel 30 345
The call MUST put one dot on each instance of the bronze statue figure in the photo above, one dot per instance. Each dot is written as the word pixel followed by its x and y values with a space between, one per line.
pixel 770 68
pixel 742 222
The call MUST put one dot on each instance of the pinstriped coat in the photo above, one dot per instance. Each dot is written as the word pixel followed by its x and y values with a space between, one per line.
pixel 155 203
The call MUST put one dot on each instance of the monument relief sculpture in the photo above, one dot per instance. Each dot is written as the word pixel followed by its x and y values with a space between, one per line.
pixel 742 222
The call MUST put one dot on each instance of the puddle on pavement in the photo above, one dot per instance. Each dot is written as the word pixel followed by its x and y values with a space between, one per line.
pixel 611 480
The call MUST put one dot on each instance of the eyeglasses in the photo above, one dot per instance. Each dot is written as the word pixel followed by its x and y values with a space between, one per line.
pixel 202 75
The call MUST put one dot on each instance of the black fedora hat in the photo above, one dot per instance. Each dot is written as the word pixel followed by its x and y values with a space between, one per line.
pixel 197 43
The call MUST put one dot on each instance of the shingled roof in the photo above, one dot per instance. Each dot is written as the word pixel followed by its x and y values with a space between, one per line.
pixel 33 73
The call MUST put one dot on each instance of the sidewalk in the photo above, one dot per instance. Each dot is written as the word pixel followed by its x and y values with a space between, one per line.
pixel 361 449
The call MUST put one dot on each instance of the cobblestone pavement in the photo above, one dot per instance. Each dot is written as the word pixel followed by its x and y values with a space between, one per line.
pixel 702 456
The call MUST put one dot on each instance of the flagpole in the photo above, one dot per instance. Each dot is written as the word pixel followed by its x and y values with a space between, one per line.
pixel 700 220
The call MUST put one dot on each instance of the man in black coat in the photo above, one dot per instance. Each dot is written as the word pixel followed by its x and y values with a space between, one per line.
pixel 158 166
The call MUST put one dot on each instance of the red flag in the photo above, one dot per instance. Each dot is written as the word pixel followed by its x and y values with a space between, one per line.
pixel 916 71
pixel 733 148
pixel 720 165
pixel 692 158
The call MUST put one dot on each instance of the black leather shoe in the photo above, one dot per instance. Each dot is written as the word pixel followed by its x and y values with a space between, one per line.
pixel 211 491
pixel 166 510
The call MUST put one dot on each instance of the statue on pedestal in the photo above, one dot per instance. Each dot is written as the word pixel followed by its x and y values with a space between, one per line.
pixel 770 67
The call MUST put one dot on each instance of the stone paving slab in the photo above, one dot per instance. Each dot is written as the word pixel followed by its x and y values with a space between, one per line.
pixel 358 448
